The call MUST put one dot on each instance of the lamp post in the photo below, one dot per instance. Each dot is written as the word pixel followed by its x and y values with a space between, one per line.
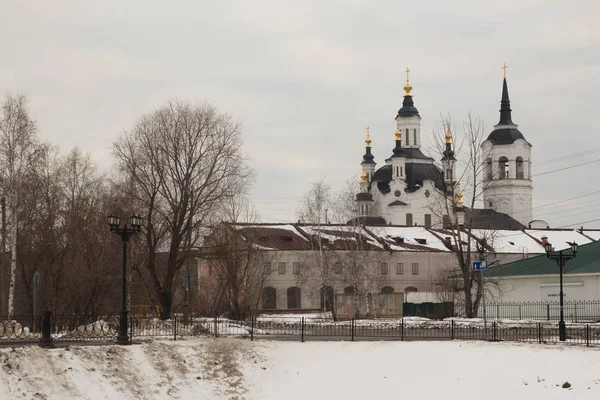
pixel 135 224
pixel 561 259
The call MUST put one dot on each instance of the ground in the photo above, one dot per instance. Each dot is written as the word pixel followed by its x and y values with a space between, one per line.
pixel 240 369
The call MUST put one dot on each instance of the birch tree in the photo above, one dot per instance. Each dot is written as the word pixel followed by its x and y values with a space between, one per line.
pixel 18 140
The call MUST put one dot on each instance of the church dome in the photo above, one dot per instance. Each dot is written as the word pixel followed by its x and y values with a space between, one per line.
pixel 505 135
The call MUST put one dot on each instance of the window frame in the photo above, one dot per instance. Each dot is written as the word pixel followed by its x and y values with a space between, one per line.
pixel 295 268
pixel 281 268
pixel 415 268
pixel 267 268
pixel 400 268
pixel 385 268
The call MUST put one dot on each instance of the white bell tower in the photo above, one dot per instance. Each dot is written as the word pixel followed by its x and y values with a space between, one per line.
pixel 507 181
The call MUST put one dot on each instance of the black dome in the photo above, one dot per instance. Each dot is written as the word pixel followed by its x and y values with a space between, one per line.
pixel 505 135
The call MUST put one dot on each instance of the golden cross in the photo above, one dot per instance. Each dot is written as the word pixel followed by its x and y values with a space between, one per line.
pixel 368 130
pixel 504 68
pixel 407 71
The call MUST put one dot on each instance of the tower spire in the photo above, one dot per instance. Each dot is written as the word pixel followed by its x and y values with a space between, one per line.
pixel 398 150
pixel 505 111
pixel 368 157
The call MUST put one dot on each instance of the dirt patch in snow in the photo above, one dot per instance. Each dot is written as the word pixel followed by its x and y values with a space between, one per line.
pixel 222 362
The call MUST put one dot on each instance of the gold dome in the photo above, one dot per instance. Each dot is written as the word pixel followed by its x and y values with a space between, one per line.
pixel 368 139
pixel 398 133
pixel 459 196
pixel 407 89
pixel 363 176
pixel 448 135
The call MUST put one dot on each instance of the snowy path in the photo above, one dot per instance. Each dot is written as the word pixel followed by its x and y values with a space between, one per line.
pixel 240 369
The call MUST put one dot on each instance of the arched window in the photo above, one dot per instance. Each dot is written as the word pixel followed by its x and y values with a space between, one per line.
pixel 269 298
pixel 488 169
pixel 503 168
pixel 294 297
pixel 387 290
pixel 520 168
pixel 327 298
pixel 410 289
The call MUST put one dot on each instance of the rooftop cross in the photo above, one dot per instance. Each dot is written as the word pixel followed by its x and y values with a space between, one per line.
pixel 504 68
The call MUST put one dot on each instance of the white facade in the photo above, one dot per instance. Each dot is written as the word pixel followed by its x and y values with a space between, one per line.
pixel 507 181
pixel 534 288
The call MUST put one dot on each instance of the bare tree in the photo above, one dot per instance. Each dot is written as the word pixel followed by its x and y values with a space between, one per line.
pixel 458 218
pixel 18 138
pixel 178 164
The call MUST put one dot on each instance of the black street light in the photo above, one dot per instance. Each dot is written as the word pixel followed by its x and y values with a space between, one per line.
pixel 135 224
pixel 561 259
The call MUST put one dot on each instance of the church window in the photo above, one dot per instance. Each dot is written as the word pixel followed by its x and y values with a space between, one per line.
pixel 488 169
pixel 520 169
pixel 409 219
pixel 490 204
pixel 407 138
pixel 446 221
pixel 503 168
pixel 414 136
pixel 449 174
pixel 397 193
pixel 427 220
pixel 401 172
pixel 427 193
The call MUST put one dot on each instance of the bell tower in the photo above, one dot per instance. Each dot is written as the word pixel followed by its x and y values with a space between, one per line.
pixel 507 180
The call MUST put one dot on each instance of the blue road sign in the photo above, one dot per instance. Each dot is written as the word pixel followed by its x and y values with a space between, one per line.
pixel 480 265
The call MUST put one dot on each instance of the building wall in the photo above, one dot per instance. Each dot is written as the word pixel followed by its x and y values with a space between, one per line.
pixel 546 288
pixel 418 204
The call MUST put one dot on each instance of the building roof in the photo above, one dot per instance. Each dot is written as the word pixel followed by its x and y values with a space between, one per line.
pixel 486 218
pixel 505 131
pixel 415 173
pixel 408 108
pixel 586 262
pixel 378 236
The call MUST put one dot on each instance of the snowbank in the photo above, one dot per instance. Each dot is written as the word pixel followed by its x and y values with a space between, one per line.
pixel 240 369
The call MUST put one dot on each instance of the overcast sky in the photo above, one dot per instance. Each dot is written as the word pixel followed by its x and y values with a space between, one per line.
pixel 305 78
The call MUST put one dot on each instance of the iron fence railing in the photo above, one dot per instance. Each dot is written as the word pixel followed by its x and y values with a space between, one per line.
pixel 574 311
pixel 50 330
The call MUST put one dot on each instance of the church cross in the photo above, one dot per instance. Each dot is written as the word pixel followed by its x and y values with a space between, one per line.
pixel 504 68
pixel 407 71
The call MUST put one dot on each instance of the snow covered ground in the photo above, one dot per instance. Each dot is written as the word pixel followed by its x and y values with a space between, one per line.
pixel 229 368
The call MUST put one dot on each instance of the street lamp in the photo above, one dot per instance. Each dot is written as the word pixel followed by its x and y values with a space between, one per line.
pixel 135 224
pixel 561 259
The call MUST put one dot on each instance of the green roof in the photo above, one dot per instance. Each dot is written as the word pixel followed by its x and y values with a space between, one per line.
pixel 586 262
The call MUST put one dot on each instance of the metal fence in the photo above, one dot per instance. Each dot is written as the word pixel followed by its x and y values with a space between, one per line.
pixel 574 311
pixel 48 331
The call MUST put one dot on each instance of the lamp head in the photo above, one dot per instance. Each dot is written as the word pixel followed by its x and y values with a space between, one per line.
pixel 114 222
pixel 548 248
pixel 136 222
pixel 574 248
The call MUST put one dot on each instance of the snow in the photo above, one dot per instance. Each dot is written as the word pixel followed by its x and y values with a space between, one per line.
pixel 240 369
pixel 510 241
pixel 409 234
pixel 345 233
pixel 594 234
pixel 559 238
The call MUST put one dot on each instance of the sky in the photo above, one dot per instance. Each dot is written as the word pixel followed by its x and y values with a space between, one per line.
pixel 304 78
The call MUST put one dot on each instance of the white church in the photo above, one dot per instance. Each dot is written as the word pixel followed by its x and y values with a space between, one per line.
pixel 406 190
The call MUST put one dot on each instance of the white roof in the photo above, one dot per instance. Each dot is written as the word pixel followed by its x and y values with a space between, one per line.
pixel 559 238
pixel 343 229
pixel 409 234
pixel 509 241
pixel 595 234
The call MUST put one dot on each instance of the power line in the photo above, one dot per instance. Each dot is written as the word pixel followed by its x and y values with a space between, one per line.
pixel 552 160
pixel 569 167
